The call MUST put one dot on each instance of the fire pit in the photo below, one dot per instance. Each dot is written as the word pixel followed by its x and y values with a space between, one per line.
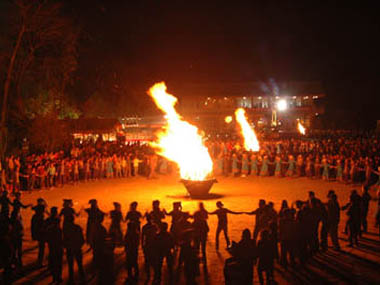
pixel 198 189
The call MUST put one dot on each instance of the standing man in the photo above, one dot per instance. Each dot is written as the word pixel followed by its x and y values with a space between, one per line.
pixel 221 213
pixel 201 230
pixel 364 208
pixel 55 243
pixel 333 218
pixel 73 241
pixel 261 219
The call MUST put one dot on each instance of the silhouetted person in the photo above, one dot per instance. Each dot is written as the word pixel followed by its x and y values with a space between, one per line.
pixel 38 228
pixel 55 244
pixel 261 218
pixel 157 215
pixel 201 230
pixel 354 218
pixel 148 236
pixel 303 231
pixel 163 249
pixel 366 198
pixel 100 251
pixel 115 227
pixel 73 241
pixel 239 268
pixel 17 228
pixel 94 215
pixel 176 215
pixel 221 213
pixel 266 256
pixel 134 215
pixel 132 241
pixel 4 203
pixel 190 258
pixel 333 217
pixel 287 237
pixel 67 212
pixel 6 249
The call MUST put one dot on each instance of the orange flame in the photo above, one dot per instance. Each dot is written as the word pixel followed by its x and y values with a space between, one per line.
pixel 301 128
pixel 250 140
pixel 179 141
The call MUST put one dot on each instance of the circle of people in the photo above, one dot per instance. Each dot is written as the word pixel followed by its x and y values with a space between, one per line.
pixel 345 159
pixel 291 236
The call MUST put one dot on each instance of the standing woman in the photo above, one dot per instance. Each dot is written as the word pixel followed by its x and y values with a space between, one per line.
pixel 245 165
pixel 317 167
pixel 264 166
pixel 339 170
pixel 299 165
pixel 308 167
pixel 346 170
pixel 220 160
pixel 235 169
pixel 325 168
pixel 291 166
pixel 277 166
pixel 254 167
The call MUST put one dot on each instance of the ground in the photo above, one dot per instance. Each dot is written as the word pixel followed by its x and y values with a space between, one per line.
pixel 352 265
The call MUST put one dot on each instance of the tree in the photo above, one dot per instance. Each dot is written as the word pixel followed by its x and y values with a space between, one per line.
pixel 42 54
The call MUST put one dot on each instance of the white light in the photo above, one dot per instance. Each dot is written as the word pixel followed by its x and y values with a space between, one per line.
pixel 282 105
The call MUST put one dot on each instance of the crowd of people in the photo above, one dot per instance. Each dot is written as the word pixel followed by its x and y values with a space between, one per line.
pixel 290 235
pixel 344 159
pixel 348 160
pixel 80 163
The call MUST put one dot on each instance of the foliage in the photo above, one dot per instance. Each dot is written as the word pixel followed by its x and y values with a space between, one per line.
pixel 47 133
pixel 38 51
pixel 48 103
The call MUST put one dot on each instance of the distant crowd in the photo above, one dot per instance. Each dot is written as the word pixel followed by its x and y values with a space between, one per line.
pixel 347 160
pixel 290 236
pixel 354 160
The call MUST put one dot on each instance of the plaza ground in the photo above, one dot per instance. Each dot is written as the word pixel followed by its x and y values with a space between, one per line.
pixel 352 265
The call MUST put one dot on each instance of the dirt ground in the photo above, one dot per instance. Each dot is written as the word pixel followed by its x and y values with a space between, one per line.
pixel 353 265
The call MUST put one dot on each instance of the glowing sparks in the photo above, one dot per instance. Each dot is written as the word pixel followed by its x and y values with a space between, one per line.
pixel 301 128
pixel 180 141
pixel 250 140
pixel 228 119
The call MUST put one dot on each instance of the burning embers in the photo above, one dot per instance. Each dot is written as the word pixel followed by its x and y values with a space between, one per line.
pixel 179 141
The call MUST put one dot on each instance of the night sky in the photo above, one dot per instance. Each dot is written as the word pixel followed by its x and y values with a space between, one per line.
pixel 135 43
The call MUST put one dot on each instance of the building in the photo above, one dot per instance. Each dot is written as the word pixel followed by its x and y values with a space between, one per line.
pixel 279 105
pixel 93 128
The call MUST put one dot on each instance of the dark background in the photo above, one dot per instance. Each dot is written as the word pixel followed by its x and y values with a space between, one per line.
pixel 135 43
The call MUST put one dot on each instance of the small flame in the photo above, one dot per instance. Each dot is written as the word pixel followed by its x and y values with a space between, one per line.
pixel 250 140
pixel 179 141
pixel 301 128
pixel 228 119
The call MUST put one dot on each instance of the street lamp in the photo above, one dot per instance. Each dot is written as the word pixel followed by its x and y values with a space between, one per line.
pixel 281 105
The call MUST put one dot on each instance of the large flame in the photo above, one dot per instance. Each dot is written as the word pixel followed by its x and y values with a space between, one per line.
pixel 250 140
pixel 301 128
pixel 180 141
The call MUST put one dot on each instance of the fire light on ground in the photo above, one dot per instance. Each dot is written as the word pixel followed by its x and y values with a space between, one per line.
pixel 250 140
pixel 301 128
pixel 179 141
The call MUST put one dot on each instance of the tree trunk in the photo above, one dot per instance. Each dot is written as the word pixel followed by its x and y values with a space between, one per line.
pixel 3 128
